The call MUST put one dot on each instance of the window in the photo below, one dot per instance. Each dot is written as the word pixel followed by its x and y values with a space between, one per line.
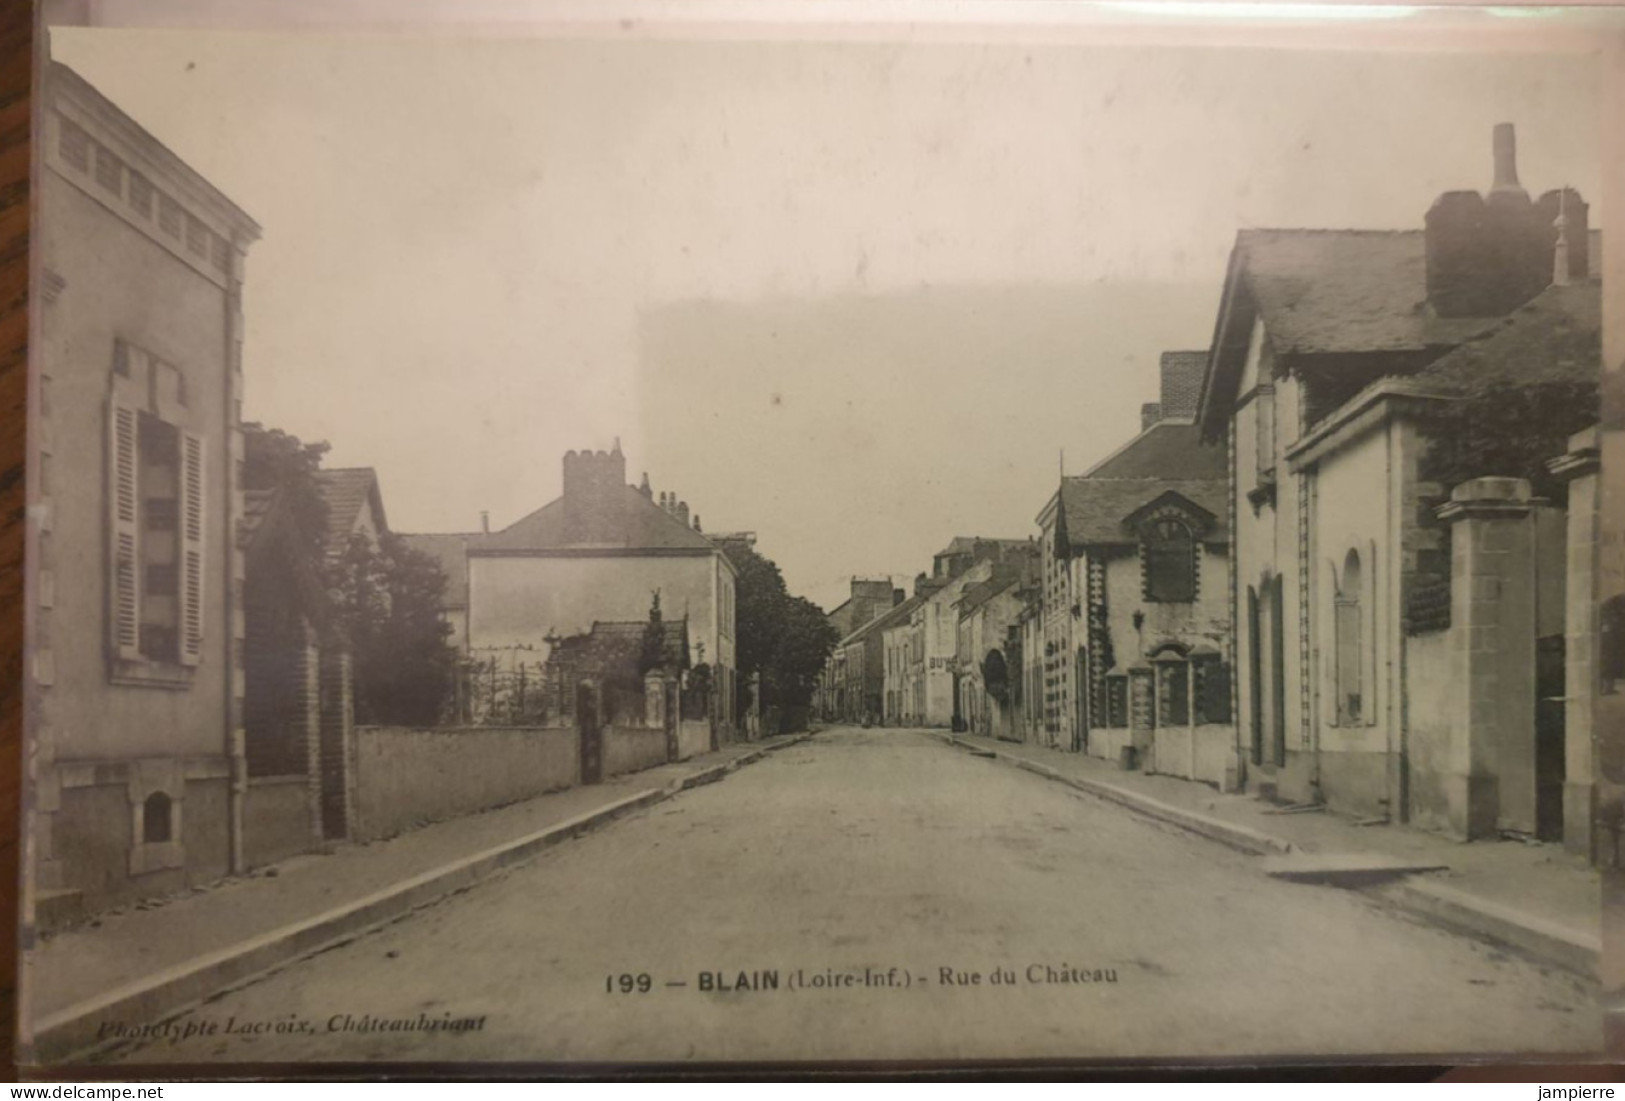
pixel 155 501
pixel 1348 628
pixel 1170 562
pixel 109 170
pixel 157 819
pixel 75 146
pixel 1210 694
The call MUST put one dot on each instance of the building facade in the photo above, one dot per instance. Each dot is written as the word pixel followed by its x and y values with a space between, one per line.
pixel 598 553
pixel 1399 602
pixel 135 580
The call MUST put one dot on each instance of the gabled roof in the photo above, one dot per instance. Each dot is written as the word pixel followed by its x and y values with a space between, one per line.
pixel 1168 449
pixel 1004 577
pixel 1329 292
pixel 451 551
pixel 885 622
pixel 1098 509
pixel 347 490
pixel 642 525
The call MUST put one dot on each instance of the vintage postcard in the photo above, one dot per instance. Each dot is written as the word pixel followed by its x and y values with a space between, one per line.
pixel 583 541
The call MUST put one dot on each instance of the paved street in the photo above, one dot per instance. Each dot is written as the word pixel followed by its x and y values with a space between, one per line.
pixel 859 871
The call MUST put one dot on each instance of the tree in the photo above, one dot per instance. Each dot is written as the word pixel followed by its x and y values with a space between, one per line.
pixel 785 638
pixel 387 599
pixel 274 460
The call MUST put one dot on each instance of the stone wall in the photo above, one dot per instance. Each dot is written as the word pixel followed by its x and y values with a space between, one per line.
pixel 279 819
pixel 406 778
pixel 632 749
pixel 693 738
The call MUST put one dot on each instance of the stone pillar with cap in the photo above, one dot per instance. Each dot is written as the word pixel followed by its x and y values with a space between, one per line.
pixel 1580 468
pixel 1490 781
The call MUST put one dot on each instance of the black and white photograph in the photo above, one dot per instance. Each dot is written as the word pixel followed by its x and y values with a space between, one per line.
pixel 645 538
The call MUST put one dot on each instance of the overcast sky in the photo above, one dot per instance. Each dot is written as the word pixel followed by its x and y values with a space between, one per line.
pixel 857 298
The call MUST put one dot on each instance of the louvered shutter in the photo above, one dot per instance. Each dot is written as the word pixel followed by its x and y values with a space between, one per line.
pixel 124 565
pixel 191 547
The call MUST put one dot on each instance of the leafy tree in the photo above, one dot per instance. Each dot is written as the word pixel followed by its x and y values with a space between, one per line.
pixel 785 638
pixel 274 460
pixel 1510 431
pixel 388 599
pixel 385 597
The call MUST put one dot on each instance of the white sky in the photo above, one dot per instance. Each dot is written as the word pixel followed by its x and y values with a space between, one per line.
pixel 854 297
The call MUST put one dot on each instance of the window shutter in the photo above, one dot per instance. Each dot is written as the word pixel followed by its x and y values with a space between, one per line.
pixel 191 557
pixel 1326 637
pixel 124 551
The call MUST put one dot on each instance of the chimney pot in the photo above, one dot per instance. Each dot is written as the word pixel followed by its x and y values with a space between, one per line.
pixel 485 521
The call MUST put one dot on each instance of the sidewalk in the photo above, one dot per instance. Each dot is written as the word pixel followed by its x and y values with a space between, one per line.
pixel 154 958
pixel 1536 897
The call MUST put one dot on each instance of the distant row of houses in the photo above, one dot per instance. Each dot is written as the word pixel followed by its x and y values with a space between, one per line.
pixel 1349 559
pixel 190 696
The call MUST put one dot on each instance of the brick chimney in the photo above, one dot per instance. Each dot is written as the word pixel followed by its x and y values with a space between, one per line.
pixel 594 493
pixel 1489 254
pixel 1182 374
pixel 682 513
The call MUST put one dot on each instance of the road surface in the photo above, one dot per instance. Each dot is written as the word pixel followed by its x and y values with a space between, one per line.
pixel 877 894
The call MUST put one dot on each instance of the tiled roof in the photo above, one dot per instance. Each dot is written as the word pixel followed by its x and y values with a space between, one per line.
pixel 346 491
pixel 1555 337
pixel 451 551
pixel 1097 507
pixel 1344 291
pixel 643 525
pixel 1168 449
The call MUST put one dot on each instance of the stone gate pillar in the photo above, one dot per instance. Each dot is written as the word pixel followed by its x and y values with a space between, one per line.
pixel 1580 468
pixel 1491 777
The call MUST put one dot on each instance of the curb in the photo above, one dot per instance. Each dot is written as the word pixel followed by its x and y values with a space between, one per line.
pixel 1570 949
pixel 77 1030
pixel 1214 829
pixel 1546 941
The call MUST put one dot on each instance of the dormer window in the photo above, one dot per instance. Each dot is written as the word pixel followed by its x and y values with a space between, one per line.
pixel 1169 555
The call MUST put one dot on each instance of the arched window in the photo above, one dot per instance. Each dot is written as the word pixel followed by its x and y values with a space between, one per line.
pixel 1349 628
pixel 1170 562
pixel 157 819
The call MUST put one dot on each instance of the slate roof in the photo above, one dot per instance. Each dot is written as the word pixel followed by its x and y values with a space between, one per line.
pixel 451 551
pixel 966 544
pixel 1096 508
pixel 1324 291
pixel 1555 337
pixel 643 524
pixel 880 623
pixel 1003 577
pixel 346 491
pixel 616 647
pixel 1168 449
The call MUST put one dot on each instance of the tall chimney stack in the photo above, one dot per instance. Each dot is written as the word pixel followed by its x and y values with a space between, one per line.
pixel 485 521
pixel 1506 164
pixel 682 512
